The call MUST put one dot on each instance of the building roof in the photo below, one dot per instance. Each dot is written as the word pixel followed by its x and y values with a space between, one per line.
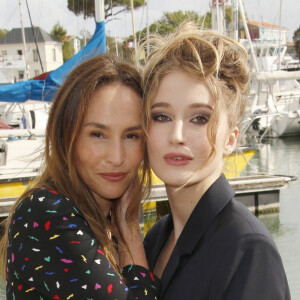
pixel 264 24
pixel 15 36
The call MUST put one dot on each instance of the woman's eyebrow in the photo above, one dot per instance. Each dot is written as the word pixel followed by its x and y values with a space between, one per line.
pixel 105 127
pixel 97 125
pixel 133 128
pixel 160 104
pixel 196 105
pixel 193 105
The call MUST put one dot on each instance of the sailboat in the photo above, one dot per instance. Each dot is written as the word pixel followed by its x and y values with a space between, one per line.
pixel 20 148
pixel 274 92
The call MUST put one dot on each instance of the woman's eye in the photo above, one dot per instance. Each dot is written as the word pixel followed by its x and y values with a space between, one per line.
pixel 160 117
pixel 97 134
pixel 200 119
pixel 132 136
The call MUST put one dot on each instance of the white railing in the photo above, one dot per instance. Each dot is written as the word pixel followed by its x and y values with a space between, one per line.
pixel 12 61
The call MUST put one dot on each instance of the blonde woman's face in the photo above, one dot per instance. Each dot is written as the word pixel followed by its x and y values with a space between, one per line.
pixel 178 144
pixel 109 149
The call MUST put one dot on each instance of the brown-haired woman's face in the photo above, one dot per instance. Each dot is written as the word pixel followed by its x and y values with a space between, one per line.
pixel 109 148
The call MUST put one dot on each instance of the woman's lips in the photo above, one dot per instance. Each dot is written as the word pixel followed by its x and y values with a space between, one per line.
pixel 114 177
pixel 177 159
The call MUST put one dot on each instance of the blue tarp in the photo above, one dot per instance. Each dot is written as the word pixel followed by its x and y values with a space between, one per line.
pixel 44 90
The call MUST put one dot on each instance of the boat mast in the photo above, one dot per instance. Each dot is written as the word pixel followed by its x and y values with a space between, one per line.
pixel 218 17
pixel 241 7
pixel 99 10
pixel 24 42
pixel 236 20
pixel 113 19
pixel 279 54
pixel 133 31
pixel 148 46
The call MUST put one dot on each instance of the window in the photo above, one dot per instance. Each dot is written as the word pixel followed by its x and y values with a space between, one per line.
pixel 4 52
pixel 36 72
pixel 35 55
pixel 20 52
pixel 54 54
pixel 258 52
pixel 265 51
pixel 272 51
pixel 21 75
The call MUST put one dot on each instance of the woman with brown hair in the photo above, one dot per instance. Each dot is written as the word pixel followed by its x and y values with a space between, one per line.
pixel 75 234
pixel 210 246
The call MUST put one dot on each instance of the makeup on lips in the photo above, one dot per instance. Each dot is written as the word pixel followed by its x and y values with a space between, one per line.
pixel 177 159
pixel 113 177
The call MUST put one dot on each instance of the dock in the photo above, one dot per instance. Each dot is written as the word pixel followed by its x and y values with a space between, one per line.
pixel 260 193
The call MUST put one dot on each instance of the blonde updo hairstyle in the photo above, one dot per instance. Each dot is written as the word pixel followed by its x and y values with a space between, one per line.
pixel 206 55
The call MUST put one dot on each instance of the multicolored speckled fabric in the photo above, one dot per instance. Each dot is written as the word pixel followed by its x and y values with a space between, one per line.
pixel 53 254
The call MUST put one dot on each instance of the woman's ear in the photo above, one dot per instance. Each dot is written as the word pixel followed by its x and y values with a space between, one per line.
pixel 231 141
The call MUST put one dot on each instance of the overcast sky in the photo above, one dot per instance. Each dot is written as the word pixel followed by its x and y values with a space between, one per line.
pixel 45 13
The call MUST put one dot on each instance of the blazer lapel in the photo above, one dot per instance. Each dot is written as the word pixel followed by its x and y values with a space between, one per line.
pixel 166 228
pixel 210 205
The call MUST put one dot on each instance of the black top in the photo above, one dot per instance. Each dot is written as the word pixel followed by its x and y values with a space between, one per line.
pixel 223 252
pixel 53 254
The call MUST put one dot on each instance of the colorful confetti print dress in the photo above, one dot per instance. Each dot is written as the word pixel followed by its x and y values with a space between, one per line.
pixel 52 254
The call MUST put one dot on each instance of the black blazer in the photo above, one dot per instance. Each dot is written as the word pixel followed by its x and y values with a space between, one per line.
pixel 223 252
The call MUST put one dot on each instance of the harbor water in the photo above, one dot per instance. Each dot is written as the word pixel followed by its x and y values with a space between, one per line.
pixel 279 157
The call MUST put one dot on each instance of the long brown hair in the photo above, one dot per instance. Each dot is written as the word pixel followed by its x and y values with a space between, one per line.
pixel 64 124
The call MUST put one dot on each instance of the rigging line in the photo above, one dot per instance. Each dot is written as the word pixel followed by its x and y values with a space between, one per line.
pixel 113 19
pixel 35 41
pixel 125 21
pixel 84 20
pixel 200 14
pixel 140 31
pixel 39 12
pixel 203 21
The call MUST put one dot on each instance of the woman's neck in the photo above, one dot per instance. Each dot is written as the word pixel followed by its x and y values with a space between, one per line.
pixel 104 204
pixel 183 201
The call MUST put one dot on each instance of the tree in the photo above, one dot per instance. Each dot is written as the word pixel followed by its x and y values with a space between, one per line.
pixel 3 32
pixel 58 32
pixel 171 20
pixel 87 7
pixel 68 50
pixel 296 39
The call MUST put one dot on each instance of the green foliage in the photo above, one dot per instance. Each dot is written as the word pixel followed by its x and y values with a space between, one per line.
pixel 3 32
pixel 68 50
pixel 296 38
pixel 171 20
pixel 58 32
pixel 87 7
pixel 123 51
pixel 228 15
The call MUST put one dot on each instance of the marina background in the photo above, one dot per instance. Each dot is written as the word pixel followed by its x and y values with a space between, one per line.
pixel 46 13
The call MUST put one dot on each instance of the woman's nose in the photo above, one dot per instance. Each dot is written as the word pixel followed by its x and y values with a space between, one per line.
pixel 116 153
pixel 177 134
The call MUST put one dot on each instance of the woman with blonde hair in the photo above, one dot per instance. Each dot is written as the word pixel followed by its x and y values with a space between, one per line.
pixel 210 246
pixel 75 234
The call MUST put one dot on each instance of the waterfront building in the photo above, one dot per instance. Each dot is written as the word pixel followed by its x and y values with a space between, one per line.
pixel 43 54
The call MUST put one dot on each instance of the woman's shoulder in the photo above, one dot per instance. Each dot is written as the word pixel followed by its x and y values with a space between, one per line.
pixel 45 201
pixel 238 223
